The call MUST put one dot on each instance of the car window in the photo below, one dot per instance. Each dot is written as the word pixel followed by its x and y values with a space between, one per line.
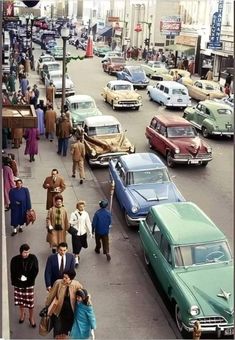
pixel 158 127
pixel 179 91
pixel 153 123
pixel 82 105
pixel 161 88
pixel 166 250
pixel 149 176
pixel 197 84
pixel 157 234
pixel 123 176
pixel 162 130
pixel 205 110
pixel 166 90
pixel 136 69
pixel 224 112
pixel 122 87
pixel 103 130
pixel 150 221
pixel 181 131
pixel 210 87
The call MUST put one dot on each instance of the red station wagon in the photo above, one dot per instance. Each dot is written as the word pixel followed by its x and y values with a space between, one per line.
pixel 114 64
pixel 176 139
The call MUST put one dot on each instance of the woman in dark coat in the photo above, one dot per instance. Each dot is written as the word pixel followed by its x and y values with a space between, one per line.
pixel 24 270
pixel 19 203
pixel 32 136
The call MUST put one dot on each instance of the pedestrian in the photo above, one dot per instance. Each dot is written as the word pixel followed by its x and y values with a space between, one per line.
pixel 84 322
pixel 57 264
pixel 11 83
pixel 78 153
pixel 5 135
pixel 50 94
pixel 57 223
pixel 20 203
pixel 228 79
pixel 209 75
pixel 227 90
pixel 40 117
pixel 54 184
pixel 34 99
pixel 24 83
pixel 64 291
pixel 8 180
pixel 24 270
pixel 32 137
pixel 101 224
pixel 50 120
pixel 16 136
pixel 64 131
pixel 185 63
pixel 80 221
pixel 27 65
pixel 13 164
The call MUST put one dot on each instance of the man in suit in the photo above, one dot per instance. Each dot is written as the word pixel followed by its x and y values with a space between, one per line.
pixel 55 185
pixel 57 264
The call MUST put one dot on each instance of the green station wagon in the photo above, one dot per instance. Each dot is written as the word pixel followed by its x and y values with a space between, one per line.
pixel 192 261
pixel 211 117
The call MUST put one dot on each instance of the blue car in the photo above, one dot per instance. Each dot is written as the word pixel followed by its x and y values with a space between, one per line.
pixel 135 75
pixel 141 181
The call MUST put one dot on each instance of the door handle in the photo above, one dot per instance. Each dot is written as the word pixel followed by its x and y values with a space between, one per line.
pixel 155 256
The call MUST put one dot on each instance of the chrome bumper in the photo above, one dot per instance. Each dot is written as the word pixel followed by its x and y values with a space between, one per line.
pixel 218 329
pixel 191 161
pixel 103 160
pixel 222 133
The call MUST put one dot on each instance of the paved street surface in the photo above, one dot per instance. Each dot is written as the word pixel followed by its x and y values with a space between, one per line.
pixel 126 303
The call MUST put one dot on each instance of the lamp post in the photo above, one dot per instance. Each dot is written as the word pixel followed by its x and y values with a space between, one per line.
pixel 64 35
pixel 149 23
pixel 27 27
pixel 31 33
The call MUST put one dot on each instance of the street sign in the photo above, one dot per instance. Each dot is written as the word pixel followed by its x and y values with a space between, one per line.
pixel 113 19
pixel 216 27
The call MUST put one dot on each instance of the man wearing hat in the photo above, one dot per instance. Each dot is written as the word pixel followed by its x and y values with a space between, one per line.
pixel 101 223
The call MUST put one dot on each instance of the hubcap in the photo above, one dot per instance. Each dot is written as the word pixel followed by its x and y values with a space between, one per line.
pixel 178 318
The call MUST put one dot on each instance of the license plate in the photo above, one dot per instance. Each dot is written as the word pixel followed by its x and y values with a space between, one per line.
pixel 194 161
pixel 229 331
pixel 179 100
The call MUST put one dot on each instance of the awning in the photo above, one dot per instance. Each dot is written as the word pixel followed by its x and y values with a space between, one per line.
pixel 180 48
pixel 106 31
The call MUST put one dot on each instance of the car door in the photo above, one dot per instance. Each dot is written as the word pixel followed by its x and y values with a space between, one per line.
pixel 202 114
pixel 161 95
pixel 119 176
pixel 197 91
pixel 110 93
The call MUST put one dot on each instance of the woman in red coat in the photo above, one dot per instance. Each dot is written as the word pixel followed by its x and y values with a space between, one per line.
pixel 32 136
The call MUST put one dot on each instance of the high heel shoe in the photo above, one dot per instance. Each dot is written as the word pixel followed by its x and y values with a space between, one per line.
pixel 21 320
pixel 33 325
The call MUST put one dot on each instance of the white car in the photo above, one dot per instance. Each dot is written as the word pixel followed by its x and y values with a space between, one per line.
pixel 170 94
pixel 43 59
pixel 111 54
pixel 56 78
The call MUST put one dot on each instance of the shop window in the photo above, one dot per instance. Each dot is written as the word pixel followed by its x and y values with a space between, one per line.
pixel 170 39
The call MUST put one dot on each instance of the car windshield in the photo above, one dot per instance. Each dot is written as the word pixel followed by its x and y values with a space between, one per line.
pixel 45 60
pixel 83 105
pixel 122 87
pixel 224 112
pixel 211 87
pixel 136 69
pixel 148 176
pixel 53 67
pixel 103 130
pixel 118 60
pixel 179 91
pixel 202 254
pixel 181 131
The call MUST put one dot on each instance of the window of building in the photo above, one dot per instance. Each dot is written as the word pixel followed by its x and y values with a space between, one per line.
pixel 170 39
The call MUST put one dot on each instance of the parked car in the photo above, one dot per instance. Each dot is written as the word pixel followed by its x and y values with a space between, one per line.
pixel 135 75
pixel 49 66
pixel 114 64
pixel 50 44
pixel 111 54
pixel 177 140
pixel 205 89
pixel 212 118
pixel 191 259
pixel 43 59
pixel 226 100
pixel 121 93
pixel 141 180
pixel 169 93
pixel 104 139
pixel 57 53
pixel 55 77
pixel 81 106
pixel 155 69
pixel 101 50
pixel 183 74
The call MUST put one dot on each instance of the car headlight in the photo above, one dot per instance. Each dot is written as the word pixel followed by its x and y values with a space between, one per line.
pixel 209 149
pixel 116 98
pixel 93 153
pixel 194 310
pixel 134 209
pixel 139 97
pixel 177 150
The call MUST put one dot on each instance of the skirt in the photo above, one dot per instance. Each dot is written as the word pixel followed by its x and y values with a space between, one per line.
pixel 79 242
pixel 63 323
pixel 24 297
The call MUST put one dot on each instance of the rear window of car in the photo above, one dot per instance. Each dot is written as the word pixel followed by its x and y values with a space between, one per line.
pixel 224 112
pixel 103 130
pixel 179 91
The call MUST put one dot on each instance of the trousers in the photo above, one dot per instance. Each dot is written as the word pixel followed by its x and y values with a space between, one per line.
pixel 63 146
pixel 105 242
pixel 80 165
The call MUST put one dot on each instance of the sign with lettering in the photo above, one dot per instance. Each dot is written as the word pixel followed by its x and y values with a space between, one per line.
pixel 214 42
pixel 170 25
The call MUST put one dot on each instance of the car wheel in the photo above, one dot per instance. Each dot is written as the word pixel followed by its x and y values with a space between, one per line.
pixel 150 98
pixel 146 259
pixel 150 144
pixel 169 160
pixel 204 163
pixel 113 106
pixel 137 108
pixel 179 322
pixel 205 132
pixel 110 72
pixel 105 99
pixel 150 76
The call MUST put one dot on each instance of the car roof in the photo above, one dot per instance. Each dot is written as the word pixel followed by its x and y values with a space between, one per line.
pixel 80 98
pixel 209 82
pixel 141 161
pixel 171 84
pixel 211 104
pixel 172 120
pixel 51 63
pixel 185 223
pixel 46 56
pixel 119 82
pixel 56 72
pixel 103 120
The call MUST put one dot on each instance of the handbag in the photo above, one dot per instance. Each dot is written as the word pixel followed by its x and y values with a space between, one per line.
pixel 30 216
pixel 73 231
pixel 52 307
pixel 45 325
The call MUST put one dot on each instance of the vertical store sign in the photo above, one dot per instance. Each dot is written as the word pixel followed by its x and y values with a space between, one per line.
pixel 8 8
pixel 216 27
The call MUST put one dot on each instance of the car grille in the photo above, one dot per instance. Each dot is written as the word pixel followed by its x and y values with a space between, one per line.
pixel 211 320
pixel 189 156
pixel 128 102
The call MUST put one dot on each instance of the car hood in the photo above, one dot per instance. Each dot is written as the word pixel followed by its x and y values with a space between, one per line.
pixel 58 83
pixel 138 77
pixel 150 194
pixel 189 145
pixel 126 94
pixel 80 115
pixel 205 283
pixel 117 64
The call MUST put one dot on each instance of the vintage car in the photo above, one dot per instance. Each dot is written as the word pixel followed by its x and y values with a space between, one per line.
pixel 121 93
pixel 205 89
pixel 155 69
pixel 135 75
pixel 57 53
pixel 191 259
pixel 212 118
pixel 169 93
pixel 104 139
pixel 226 100
pixel 177 140
pixel 183 74
pixel 81 106
pixel 48 67
pixel 43 59
pixel 55 77
pixel 111 54
pixel 113 64
pixel 101 50
pixel 141 180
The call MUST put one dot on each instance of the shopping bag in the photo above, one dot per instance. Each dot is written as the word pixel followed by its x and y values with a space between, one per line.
pixel 45 325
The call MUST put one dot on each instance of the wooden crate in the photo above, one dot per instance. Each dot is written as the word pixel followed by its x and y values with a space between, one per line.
pixel 19 116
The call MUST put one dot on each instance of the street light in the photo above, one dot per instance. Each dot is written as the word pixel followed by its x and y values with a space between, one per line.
pixel 27 26
pixel 31 32
pixel 64 35
pixel 149 23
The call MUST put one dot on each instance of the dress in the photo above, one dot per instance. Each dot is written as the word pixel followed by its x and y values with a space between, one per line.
pixel 19 202
pixel 8 180
pixel 84 322
pixel 32 137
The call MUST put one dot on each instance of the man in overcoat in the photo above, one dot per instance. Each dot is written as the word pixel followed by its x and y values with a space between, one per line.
pixel 54 184
pixel 50 120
